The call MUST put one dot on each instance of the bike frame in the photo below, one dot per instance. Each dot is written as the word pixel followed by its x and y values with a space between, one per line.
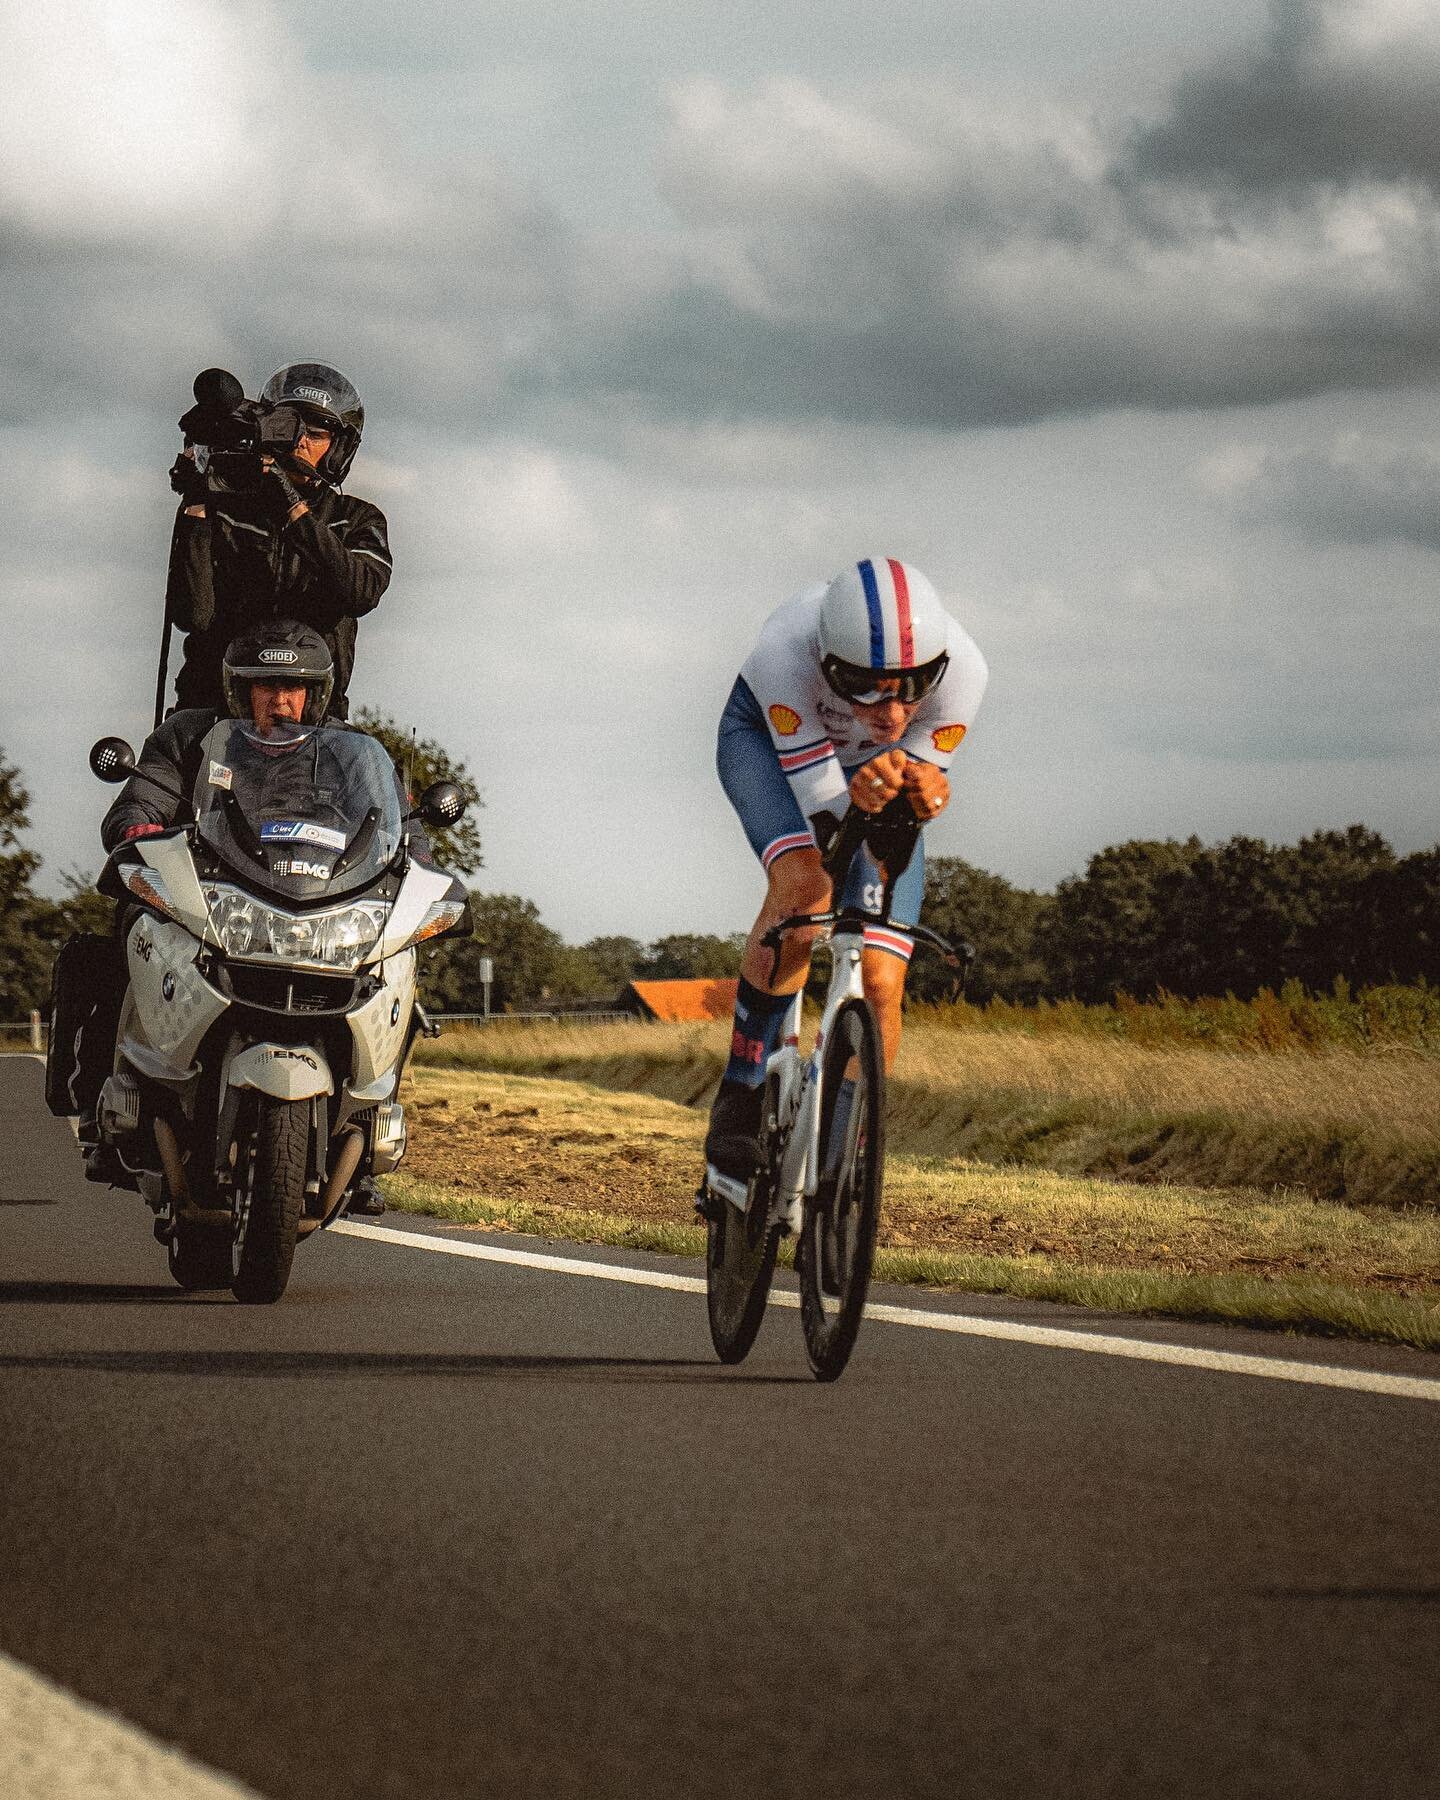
pixel 799 1082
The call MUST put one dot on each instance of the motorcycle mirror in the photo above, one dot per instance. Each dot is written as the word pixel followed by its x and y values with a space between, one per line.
pixel 442 805
pixel 112 759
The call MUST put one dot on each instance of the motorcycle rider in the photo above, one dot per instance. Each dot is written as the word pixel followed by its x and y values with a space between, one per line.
pixel 295 545
pixel 280 677
pixel 857 691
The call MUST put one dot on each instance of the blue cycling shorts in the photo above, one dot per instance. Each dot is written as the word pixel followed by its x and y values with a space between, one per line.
pixel 752 778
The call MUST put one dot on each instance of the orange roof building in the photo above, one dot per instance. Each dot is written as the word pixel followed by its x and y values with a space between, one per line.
pixel 679 1000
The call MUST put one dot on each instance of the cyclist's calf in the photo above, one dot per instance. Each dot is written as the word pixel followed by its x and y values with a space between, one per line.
pixel 884 978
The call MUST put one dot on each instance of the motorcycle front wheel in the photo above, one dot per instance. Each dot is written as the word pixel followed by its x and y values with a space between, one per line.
pixel 273 1201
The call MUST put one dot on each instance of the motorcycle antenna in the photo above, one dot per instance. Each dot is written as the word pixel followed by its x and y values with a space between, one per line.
pixel 410 771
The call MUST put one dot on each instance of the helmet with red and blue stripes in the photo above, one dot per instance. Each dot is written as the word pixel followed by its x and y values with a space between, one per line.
pixel 882 621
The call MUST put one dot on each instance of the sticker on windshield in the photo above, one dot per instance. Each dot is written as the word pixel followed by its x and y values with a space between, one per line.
pixel 301 831
pixel 220 776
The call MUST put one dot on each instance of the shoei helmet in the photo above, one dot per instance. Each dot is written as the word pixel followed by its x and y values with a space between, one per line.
pixel 282 651
pixel 881 620
pixel 322 395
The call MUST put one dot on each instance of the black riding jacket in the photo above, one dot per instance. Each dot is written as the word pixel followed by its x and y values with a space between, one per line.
pixel 236 565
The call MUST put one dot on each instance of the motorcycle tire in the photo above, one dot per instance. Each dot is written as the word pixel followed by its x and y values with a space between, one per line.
pixel 270 1213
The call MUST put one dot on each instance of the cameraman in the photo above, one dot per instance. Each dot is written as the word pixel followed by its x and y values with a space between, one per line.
pixel 263 527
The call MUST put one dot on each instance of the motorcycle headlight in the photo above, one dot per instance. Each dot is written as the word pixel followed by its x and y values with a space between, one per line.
pixel 438 917
pixel 250 931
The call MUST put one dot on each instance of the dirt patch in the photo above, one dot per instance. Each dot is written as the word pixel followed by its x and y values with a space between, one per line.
pixel 559 1149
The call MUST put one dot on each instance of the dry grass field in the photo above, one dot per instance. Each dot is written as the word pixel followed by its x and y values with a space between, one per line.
pixel 1338 1124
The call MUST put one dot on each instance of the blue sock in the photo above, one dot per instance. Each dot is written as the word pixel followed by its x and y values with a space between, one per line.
pixel 759 1022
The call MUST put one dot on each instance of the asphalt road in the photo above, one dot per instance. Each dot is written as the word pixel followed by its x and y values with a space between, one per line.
pixel 435 1526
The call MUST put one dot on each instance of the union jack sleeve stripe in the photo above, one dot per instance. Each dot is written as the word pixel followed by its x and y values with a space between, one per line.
pixel 793 840
pixel 884 937
pixel 808 756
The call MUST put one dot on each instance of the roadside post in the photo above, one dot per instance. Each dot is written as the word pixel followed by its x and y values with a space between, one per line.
pixel 38 1043
pixel 487 975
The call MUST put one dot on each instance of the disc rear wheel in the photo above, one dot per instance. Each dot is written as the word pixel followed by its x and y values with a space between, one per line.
pixel 837 1241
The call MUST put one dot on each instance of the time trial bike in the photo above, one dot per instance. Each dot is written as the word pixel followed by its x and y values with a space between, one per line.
pixel 822 1133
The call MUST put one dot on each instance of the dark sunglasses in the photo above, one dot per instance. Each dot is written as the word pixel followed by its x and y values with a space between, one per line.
pixel 860 686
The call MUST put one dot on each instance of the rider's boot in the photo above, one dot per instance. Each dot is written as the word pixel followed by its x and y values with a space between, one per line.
pixel 366 1200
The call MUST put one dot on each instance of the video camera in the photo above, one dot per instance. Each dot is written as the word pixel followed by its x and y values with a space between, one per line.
pixel 230 434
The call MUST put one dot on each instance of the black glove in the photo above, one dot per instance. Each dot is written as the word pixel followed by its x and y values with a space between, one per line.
pixel 284 495
pixel 187 480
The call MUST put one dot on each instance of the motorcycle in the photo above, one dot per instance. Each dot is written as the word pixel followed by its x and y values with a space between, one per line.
pixel 270 1006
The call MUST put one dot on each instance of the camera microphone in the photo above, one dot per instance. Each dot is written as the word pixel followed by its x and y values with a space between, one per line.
pixel 217 390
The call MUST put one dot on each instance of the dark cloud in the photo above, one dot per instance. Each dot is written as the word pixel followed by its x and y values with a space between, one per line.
pixel 910 256
pixel 1341 91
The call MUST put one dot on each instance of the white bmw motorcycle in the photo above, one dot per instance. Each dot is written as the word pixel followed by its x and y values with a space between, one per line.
pixel 271 999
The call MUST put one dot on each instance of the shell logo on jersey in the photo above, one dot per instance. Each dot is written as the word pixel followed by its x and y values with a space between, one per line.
pixel 785 719
pixel 946 737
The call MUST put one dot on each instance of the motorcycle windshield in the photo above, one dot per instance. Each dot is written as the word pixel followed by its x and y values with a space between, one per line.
pixel 305 813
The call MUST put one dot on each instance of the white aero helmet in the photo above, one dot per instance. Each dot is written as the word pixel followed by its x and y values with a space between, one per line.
pixel 881 620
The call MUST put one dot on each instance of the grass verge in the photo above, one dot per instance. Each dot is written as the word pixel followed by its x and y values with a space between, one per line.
pixel 560 1159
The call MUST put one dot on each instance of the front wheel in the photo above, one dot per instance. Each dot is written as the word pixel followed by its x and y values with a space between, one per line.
pixel 837 1240
pixel 270 1210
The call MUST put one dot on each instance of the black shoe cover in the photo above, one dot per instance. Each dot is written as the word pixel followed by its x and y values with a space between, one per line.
pixel 732 1143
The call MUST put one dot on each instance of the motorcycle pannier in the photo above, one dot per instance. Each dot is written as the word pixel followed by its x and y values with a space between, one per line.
pixel 82 988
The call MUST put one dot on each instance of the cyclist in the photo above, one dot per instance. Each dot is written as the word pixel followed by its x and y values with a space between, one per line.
pixel 856 692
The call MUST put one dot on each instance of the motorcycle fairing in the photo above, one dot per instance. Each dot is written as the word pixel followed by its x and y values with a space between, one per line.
pixel 419 891
pixel 171 1006
pixel 381 1026
pixel 284 1071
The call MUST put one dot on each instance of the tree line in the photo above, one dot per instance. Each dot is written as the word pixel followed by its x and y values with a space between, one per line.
pixel 1146 916
pixel 1193 919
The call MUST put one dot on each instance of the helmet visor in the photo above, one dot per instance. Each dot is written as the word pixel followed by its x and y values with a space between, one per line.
pixel 863 687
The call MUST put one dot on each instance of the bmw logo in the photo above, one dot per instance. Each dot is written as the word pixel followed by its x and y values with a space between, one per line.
pixel 395 1013
pixel 167 986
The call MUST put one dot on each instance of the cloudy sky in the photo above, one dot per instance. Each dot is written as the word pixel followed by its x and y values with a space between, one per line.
pixel 1122 323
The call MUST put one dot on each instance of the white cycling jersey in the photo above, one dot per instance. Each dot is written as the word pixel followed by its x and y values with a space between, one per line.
pixel 817 737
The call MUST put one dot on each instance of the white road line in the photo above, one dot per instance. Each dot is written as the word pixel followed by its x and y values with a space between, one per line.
pixel 55 1747
pixel 1224 1362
